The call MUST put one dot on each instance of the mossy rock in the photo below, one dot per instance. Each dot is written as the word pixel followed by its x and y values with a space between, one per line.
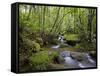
pixel 54 54
pixel 40 41
pixel 31 46
pixel 93 54
pixel 40 60
pixel 61 59
pixel 77 56
pixel 36 47
pixel 54 57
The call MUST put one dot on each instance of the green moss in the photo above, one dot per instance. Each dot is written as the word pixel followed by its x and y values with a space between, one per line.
pixel 39 58
pixel 31 46
pixel 71 37
pixel 40 41
pixel 40 61
pixel 36 47
pixel 78 46
pixel 54 54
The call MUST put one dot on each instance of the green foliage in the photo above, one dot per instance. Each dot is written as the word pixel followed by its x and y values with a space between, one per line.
pixel 36 47
pixel 40 26
pixel 71 37
pixel 31 46
pixel 40 41
pixel 85 46
pixel 40 61
pixel 54 55
pixel 78 46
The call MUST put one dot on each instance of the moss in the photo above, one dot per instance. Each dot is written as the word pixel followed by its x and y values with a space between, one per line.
pixel 40 41
pixel 54 54
pixel 40 61
pixel 54 57
pixel 36 47
pixel 85 46
pixel 78 46
pixel 71 37
pixel 31 46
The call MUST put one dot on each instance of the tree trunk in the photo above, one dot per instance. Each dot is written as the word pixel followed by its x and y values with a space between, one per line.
pixel 90 19
pixel 29 12
pixel 55 20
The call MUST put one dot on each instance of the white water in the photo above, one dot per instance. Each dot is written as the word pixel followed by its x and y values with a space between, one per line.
pixel 90 59
pixel 81 65
pixel 69 61
pixel 61 39
pixel 56 46
pixel 73 62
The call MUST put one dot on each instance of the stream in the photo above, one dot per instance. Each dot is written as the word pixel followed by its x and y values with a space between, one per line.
pixel 75 59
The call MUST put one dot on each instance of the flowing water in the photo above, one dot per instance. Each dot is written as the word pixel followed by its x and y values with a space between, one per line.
pixel 85 63
pixel 90 59
pixel 72 62
pixel 56 46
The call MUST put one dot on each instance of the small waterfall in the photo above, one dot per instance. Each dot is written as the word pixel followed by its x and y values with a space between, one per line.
pixel 61 39
pixel 56 46
pixel 61 42
pixel 69 58
pixel 69 61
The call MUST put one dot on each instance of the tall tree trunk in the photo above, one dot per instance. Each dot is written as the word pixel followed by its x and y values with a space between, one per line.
pixel 29 12
pixel 55 20
pixel 60 22
pixel 90 18
pixel 43 25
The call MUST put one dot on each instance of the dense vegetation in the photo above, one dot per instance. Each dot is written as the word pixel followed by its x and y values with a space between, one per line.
pixel 40 27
